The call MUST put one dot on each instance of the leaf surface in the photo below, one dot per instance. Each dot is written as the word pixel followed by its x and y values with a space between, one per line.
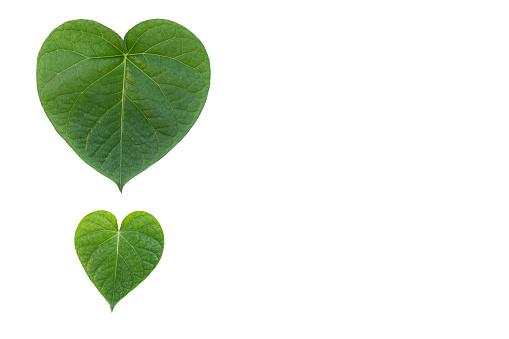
pixel 122 104
pixel 117 261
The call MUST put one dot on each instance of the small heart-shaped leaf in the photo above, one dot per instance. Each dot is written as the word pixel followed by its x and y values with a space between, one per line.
pixel 118 260
pixel 122 104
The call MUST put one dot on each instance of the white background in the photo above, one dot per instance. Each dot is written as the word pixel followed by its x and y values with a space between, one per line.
pixel 348 177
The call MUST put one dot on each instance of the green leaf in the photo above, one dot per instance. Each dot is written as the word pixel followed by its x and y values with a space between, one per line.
pixel 122 104
pixel 118 260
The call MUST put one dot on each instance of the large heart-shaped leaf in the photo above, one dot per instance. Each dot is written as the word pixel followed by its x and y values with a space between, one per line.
pixel 118 260
pixel 122 104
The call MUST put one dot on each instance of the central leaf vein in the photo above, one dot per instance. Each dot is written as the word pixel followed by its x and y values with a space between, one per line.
pixel 116 264
pixel 122 122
